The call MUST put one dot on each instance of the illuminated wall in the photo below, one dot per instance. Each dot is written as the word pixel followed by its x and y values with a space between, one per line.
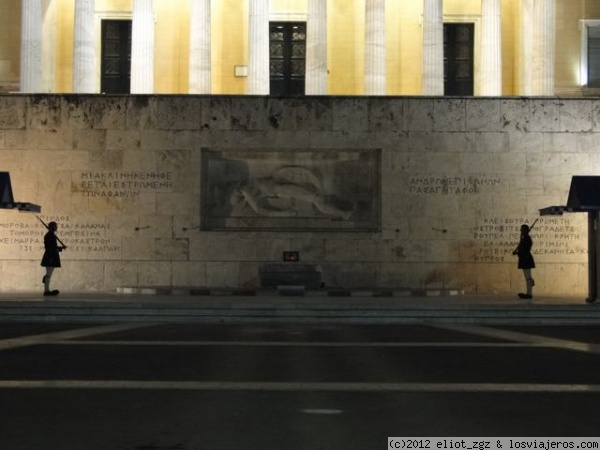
pixel 10 32
pixel 123 177
pixel 345 37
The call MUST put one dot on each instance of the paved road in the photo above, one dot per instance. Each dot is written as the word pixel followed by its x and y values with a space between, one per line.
pixel 290 386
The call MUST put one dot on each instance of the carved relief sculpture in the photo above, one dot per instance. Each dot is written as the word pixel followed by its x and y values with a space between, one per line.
pixel 291 189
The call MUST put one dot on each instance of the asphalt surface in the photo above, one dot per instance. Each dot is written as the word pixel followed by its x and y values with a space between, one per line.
pixel 192 386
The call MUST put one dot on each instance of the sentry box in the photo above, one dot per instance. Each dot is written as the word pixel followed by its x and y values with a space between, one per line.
pixel 584 196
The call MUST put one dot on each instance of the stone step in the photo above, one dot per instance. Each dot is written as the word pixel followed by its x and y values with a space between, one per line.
pixel 165 311
pixel 289 290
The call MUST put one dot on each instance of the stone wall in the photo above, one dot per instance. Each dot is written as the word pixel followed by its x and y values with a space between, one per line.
pixel 122 176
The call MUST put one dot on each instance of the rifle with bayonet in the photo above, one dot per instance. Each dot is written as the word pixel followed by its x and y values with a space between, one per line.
pixel 48 228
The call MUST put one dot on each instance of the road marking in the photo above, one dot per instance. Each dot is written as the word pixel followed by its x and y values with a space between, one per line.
pixel 49 338
pixel 322 411
pixel 298 386
pixel 293 344
pixel 533 339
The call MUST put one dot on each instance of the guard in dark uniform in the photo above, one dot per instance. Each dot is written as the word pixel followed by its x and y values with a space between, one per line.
pixel 526 262
pixel 51 258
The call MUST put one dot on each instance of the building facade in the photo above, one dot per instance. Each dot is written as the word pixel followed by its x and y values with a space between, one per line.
pixel 301 47
pixel 382 140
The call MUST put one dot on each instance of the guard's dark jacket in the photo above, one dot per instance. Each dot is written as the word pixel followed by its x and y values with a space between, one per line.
pixel 524 253
pixel 51 257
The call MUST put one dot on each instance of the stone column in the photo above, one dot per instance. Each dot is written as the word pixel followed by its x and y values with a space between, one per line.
pixel 142 48
pixel 526 75
pixel 31 46
pixel 491 48
pixel 433 48
pixel 544 13
pixel 258 52
pixel 200 56
pixel 375 61
pixel 84 54
pixel 316 48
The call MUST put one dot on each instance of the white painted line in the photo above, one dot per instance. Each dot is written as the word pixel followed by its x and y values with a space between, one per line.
pixel 298 386
pixel 322 411
pixel 294 344
pixel 48 338
pixel 523 337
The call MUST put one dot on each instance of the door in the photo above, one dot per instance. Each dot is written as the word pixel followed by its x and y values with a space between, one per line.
pixel 287 51
pixel 458 58
pixel 116 57
pixel 593 56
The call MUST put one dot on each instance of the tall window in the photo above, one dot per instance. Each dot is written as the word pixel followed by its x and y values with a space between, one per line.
pixel 458 58
pixel 593 56
pixel 116 57
pixel 287 50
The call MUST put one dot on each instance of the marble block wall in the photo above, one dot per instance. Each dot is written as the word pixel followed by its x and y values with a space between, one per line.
pixel 122 176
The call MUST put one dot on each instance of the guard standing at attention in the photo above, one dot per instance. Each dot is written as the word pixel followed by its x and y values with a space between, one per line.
pixel 51 258
pixel 526 262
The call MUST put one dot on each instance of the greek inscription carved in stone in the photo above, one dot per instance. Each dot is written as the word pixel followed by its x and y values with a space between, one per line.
pixel 498 237
pixel 81 237
pixel 122 184
pixel 451 184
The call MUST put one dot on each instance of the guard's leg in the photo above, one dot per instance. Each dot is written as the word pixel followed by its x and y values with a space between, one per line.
pixel 47 278
pixel 529 281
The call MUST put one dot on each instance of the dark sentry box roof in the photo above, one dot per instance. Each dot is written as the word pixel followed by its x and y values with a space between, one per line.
pixel 7 200
pixel 6 195
pixel 584 195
